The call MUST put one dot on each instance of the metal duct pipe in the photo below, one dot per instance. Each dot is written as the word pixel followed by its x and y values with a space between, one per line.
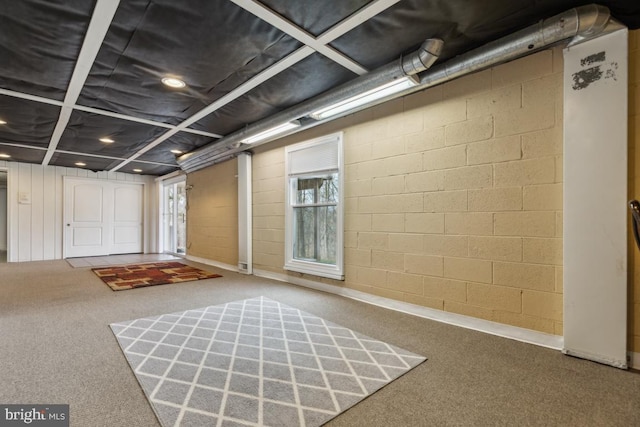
pixel 409 65
pixel 571 26
pixel 582 22
pixel 423 58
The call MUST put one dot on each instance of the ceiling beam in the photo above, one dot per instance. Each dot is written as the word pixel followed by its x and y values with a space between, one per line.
pixel 256 80
pixel 348 24
pixel 101 156
pixel 30 147
pixel 336 31
pixel 98 26
pixel 144 121
pixel 286 26
pixel 103 112
pixel 75 153
pixel 28 97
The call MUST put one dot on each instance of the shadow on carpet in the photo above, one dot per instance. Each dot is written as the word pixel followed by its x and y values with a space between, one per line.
pixel 255 362
pixel 133 276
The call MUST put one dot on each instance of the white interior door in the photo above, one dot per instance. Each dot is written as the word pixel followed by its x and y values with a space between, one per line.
pixel 102 217
pixel 127 218
pixel 86 219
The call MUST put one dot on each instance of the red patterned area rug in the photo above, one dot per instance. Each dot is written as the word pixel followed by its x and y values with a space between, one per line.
pixel 133 276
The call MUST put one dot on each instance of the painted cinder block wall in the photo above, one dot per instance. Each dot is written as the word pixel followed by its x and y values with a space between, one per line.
pixel 453 196
pixel 634 186
pixel 212 213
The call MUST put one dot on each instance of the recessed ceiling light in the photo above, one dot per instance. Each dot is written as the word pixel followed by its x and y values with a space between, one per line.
pixel 2 122
pixel 4 156
pixel 137 170
pixel 80 164
pixel 106 140
pixel 176 151
pixel 173 82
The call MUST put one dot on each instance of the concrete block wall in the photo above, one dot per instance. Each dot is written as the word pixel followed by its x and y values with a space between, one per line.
pixel 212 213
pixel 634 186
pixel 453 196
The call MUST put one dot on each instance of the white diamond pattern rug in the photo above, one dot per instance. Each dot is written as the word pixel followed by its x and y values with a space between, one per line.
pixel 255 362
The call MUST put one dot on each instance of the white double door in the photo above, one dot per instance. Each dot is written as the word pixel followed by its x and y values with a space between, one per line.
pixel 102 217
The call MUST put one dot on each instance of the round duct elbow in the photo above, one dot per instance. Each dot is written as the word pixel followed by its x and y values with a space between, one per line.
pixel 423 58
pixel 592 19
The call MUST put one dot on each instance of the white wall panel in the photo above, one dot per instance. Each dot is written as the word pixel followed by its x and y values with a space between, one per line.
pixel 49 218
pixel 37 213
pixel 35 228
pixel 595 199
pixel 59 188
pixel 3 219
pixel 23 209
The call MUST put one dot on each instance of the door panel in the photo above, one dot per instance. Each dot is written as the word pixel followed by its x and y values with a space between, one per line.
pixel 88 205
pixel 127 218
pixel 102 217
pixel 87 236
pixel 86 221
pixel 127 206
pixel 126 235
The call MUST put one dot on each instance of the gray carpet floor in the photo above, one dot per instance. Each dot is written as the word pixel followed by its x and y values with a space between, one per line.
pixel 57 348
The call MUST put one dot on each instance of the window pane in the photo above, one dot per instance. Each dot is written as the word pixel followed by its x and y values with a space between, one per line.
pixel 318 189
pixel 315 234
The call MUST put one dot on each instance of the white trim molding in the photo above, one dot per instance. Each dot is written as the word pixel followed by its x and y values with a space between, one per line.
pixel 245 217
pixel 554 342
pixel 212 263
pixel 317 158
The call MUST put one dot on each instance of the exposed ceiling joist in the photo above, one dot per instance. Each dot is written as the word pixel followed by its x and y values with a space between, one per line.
pixel 366 13
pixel 84 78
pixel 299 34
pixel 100 21
pixel 144 121
pixel 278 67
pixel 30 97
pixel 341 28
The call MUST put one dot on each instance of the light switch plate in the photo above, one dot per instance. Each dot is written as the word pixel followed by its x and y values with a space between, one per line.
pixel 24 198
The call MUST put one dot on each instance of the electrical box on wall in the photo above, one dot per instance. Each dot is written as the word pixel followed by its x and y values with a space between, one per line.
pixel 24 198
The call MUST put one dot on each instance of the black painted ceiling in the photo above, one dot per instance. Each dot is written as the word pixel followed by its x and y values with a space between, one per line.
pixel 65 84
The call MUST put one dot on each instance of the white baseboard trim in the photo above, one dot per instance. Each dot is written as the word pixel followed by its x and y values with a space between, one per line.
pixel 634 360
pixel 212 263
pixel 554 342
pixel 616 363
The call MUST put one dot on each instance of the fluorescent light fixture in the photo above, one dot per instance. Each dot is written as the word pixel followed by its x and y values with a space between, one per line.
pixel 176 151
pixel 106 140
pixel 137 170
pixel 173 82
pixel 365 98
pixel 4 156
pixel 80 164
pixel 2 122
pixel 276 130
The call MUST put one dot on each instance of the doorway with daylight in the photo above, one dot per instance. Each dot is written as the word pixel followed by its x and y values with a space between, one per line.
pixel 174 217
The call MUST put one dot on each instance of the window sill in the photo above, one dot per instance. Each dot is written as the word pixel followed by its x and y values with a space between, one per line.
pixel 320 270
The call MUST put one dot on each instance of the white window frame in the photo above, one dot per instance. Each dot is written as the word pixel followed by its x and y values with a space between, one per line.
pixel 163 182
pixel 332 271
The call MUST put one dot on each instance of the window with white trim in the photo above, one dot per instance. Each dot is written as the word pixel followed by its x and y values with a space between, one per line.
pixel 314 213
